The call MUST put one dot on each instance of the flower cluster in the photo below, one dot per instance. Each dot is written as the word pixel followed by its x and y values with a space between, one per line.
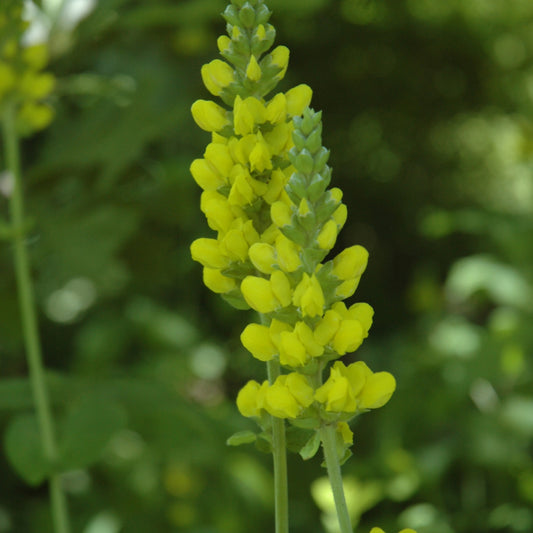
pixel 22 84
pixel 265 183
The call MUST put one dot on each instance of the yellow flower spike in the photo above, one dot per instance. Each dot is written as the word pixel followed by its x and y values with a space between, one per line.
pixel 280 402
pixel 308 296
pixel 253 70
pixel 349 337
pixel 205 175
pixel 260 157
pixel 345 432
pixel 288 254
pixel 217 75
pixel 248 399
pixel 298 98
pixel 377 390
pixel 337 394
pixel 376 530
pixel 217 282
pixel 223 43
pixel 363 313
pixel 281 287
pixel 259 295
pixel 209 116
pixel 408 530
pixel 208 253
pixel 256 339
pixel 276 109
pixel 327 327
pixel 291 351
pixel 219 156
pixel 328 235
pixel 217 211
pixel 280 58
pixel 263 257
pixel 299 387
pixel 235 33
pixel 281 214
pixel 306 337
pixel 350 263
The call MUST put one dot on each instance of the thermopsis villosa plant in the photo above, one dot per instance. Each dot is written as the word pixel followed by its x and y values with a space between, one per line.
pixel 265 183
pixel 23 110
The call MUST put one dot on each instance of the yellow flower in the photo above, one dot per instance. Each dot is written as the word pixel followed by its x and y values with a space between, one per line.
pixel 308 296
pixel 256 339
pixel 209 116
pixel 217 282
pixel 217 75
pixel 250 399
pixel 377 390
pixel 259 295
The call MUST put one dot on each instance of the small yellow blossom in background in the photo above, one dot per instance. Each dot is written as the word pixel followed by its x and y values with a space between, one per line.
pixel 23 85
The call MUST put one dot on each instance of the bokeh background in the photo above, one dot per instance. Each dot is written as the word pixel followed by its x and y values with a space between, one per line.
pixel 428 112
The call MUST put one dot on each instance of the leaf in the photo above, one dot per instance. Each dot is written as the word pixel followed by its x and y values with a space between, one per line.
pixel 24 449
pixel 87 430
pixel 241 437
pixel 311 447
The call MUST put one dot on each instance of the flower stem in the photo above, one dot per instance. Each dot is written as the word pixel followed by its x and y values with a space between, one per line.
pixel 279 454
pixel 29 324
pixel 328 437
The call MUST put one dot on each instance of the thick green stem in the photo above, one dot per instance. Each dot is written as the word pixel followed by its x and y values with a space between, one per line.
pixel 328 437
pixel 29 323
pixel 279 454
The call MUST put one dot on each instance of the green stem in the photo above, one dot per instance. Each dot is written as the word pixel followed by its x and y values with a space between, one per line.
pixel 328 437
pixel 29 324
pixel 279 454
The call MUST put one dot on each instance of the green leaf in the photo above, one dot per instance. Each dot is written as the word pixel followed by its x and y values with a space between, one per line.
pixel 241 437
pixel 24 450
pixel 311 447
pixel 87 429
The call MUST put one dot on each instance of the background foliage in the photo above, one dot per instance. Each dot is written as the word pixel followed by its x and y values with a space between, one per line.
pixel 428 113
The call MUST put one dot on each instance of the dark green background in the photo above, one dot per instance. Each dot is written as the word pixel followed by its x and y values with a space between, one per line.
pixel 427 109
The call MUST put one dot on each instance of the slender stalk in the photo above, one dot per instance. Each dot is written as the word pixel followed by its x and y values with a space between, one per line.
pixel 29 324
pixel 327 435
pixel 279 454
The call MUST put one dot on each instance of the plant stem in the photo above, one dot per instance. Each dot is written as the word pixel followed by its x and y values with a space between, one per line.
pixel 328 437
pixel 29 324
pixel 279 454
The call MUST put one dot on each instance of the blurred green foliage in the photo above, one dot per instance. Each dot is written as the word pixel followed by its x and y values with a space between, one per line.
pixel 428 111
